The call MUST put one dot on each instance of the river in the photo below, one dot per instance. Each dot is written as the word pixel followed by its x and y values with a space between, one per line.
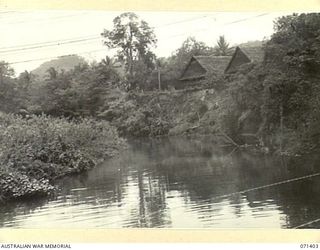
pixel 180 183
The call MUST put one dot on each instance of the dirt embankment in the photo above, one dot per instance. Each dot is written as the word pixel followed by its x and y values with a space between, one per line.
pixel 163 113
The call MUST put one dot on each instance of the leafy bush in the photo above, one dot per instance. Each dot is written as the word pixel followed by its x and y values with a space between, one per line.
pixel 17 185
pixel 40 149
pixel 278 100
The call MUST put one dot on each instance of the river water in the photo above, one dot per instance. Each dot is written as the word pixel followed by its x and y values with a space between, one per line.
pixel 180 183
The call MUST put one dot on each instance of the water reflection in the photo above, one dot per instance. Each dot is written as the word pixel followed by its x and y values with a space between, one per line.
pixel 179 182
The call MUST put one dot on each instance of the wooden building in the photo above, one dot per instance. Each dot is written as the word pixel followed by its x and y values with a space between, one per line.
pixel 201 66
pixel 244 55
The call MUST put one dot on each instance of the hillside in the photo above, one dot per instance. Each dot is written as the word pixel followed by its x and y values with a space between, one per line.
pixel 162 113
pixel 61 63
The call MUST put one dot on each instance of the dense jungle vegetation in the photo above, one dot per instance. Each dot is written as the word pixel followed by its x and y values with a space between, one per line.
pixel 280 95
pixel 65 121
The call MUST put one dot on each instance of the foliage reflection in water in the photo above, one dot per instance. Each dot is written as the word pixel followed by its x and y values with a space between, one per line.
pixel 179 183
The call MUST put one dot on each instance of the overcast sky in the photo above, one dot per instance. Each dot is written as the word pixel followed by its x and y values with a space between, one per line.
pixel 50 34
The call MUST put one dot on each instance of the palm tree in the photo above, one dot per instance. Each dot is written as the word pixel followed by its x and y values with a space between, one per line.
pixel 222 48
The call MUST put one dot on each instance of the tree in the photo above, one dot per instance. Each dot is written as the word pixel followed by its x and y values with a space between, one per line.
pixel 191 47
pixel 294 51
pixel 222 47
pixel 24 85
pixel 25 79
pixel 78 92
pixel 5 71
pixel 159 63
pixel 8 90
pixel 134 39
pixel 282 92
pixel 176 63
pixel 52 73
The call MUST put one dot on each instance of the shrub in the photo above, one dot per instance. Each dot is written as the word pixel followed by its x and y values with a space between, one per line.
pixel 40 149
pixel 17 185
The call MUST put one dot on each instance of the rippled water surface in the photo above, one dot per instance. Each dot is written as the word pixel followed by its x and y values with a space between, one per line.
pixel 180 183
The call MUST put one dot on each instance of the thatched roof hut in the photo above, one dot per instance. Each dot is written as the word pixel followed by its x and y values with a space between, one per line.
pixel 200 66
pixel 244 55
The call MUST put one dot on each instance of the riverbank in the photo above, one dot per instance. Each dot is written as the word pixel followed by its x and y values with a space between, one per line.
pixel 152 114
pixel 37 150
pixel 193 111
pixel 205 111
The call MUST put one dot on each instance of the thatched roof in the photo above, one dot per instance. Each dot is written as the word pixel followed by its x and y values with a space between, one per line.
pixel 255 53
pixel 211 65
pixel 219 65
pixel 244 54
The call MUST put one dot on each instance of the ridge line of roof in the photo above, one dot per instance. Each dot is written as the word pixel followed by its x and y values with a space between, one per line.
pixel 210 56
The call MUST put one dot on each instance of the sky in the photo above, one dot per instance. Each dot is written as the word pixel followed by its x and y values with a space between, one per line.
pixel 29 38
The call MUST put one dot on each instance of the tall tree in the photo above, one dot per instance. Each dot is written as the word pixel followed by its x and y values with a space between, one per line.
pixel 134 38
pixel 7 88
pixel 190 47
pixel 222 48
pixel 294 52
pixel 24 84
pixel 282 94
